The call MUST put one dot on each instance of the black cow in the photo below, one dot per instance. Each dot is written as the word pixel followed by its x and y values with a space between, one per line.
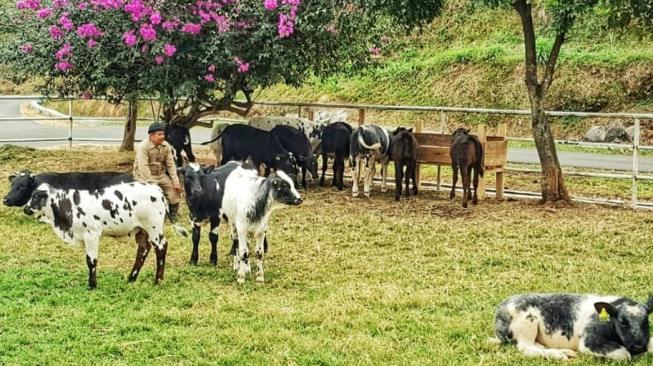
pixel 179 137
pixel 241 142
pixel 298 144
pixel 24 183
pixel 335 143
pixel 403 153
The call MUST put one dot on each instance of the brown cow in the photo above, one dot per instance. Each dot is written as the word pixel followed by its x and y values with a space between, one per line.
pixel 466 153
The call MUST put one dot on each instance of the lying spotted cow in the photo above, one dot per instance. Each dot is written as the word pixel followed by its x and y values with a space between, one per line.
pixel 83 217
pixel 559 325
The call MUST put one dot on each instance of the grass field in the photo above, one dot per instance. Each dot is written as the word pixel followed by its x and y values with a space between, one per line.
pixel 350 281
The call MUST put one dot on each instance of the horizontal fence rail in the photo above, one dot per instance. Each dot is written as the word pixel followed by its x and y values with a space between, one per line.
pixel 362 108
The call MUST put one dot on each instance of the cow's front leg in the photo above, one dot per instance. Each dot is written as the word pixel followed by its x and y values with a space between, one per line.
pixel 370 170
pixel 356 174
pixel 91 243
pixel 197 232
pixel 595 345
pixel 243 255
pixel 260 255
pixel 213 238
pixel 384 176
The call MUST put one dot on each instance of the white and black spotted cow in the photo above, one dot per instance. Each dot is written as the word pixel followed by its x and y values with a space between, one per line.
pixel 247 203
pixel 559 325
pixel 369 144
pixel 82 217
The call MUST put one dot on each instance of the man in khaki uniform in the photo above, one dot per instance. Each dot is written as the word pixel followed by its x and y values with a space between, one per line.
pixel 154 163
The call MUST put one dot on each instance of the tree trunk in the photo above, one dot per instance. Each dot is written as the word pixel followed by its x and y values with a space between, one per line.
pixel 552 181
pixel 130 127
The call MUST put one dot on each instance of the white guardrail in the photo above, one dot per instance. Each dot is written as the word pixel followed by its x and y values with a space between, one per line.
pixel 362 108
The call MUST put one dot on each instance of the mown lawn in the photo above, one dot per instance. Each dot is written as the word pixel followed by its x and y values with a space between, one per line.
pixel 349 281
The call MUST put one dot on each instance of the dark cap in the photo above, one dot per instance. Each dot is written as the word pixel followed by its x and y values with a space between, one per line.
pixel 155 127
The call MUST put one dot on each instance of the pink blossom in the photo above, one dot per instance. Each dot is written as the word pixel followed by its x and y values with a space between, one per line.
pixel 26 48
pixel 191 28
pixel 286 26
pixel 211 68
pixel 222 23
pixel 44 13
pixel 106 4
pixel 331 29
pixel 64 52
pixel 83 6
pixel 136 9
pixel 91 43
pixel 243 67
pixel 60 3
pixel 86 95
pixel 55 32
pixel 169 25
pixel 270 4
pixel 64 66
pixel 169 49
pixel 374 51
pixel 145 48
pixel 28 4
pixel 209 77
pixel 66 23
pixel 129 38
pixel 158 60
pixel 148 32
pixel 89 30
pixel 155 18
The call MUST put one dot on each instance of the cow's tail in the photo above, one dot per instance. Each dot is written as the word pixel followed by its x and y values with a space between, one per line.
pixel 369 145
pixel 179 230
pixel 480 157
pixel 213 139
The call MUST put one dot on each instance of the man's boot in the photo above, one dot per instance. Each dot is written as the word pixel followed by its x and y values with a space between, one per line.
pixel 173 208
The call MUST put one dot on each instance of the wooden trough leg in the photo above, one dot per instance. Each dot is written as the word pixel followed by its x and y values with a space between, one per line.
pixel 482 137
pixel 499 178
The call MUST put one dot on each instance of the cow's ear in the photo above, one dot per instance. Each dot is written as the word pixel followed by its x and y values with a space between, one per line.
pixel 649 304
pixel 467 130
pixel 410 130
pixel 11 177
pixel 600 307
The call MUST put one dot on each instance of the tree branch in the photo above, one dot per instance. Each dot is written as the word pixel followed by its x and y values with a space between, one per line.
pixel 552 61
pixel 524 11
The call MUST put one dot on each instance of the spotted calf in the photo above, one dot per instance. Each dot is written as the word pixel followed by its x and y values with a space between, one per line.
pixel 247 203
pixel 81 217
pixel 559 325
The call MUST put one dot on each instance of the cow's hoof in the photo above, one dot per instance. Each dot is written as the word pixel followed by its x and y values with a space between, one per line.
pixel 366 194
pixel 474 202
pixel 240 280
pixel 464 205
pixel 260 278
pixel 397 198
pixel 354 194
pixel 384 189
pixel 193 262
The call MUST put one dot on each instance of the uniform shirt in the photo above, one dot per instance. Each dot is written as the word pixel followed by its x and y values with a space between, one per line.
pixel 153 162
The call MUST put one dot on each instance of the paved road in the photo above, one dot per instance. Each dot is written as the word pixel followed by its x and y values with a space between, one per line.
pixel 30 129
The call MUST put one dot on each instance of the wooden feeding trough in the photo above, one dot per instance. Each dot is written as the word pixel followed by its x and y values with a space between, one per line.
pixel 434 150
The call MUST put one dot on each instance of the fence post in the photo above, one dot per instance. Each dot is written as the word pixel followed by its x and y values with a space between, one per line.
pixel 70 123
pixel 361 117
pixel 502 129
pixel 299 111
pixel 443 122
pixel 419 125
pixel 311 114
pixel 482 137
pixel 636 138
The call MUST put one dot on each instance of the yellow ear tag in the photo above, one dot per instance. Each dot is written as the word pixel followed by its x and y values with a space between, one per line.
pixel 603 315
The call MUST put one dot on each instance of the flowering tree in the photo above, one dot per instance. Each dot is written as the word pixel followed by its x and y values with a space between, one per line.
pixel 195 56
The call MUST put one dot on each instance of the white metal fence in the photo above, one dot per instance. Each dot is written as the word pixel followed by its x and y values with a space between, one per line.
pixel 306 109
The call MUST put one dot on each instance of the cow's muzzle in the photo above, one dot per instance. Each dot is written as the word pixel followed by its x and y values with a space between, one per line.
pixel 28 211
